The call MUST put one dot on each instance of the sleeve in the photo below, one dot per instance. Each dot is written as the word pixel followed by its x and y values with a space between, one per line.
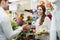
pixel 7 29
pixel 37 26
pixel 46 24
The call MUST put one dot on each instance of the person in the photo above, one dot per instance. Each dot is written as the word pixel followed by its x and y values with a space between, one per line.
pixel 6 31
pixel 55 23
pixel 42 24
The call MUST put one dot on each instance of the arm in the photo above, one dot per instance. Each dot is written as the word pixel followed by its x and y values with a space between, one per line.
pixel 7 29
pixel 46 24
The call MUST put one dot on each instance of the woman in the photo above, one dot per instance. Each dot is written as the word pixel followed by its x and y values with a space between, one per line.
pixel 42 24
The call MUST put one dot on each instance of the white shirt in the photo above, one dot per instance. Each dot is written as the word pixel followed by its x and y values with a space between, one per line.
pixel 45 26
pixel 6 31
pixel 55 24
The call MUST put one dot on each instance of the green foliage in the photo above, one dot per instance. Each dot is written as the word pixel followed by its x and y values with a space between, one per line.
pixel 14 25
pixel 27 34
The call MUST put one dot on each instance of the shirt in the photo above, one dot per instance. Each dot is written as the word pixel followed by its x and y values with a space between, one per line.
pixel 45 26
pixel 6 31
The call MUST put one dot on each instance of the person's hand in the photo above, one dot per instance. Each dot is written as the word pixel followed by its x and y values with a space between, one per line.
pixel 34 30
pixel 24 26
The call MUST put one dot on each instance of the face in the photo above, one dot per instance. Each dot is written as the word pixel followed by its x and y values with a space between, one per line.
pixel 40 11
pixel 4 4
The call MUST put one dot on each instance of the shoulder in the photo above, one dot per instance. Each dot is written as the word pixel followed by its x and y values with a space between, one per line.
pixel 47 18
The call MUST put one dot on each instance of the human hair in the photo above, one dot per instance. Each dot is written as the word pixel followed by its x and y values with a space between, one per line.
pixel 0 1
pixel 43 16
pixel 4 0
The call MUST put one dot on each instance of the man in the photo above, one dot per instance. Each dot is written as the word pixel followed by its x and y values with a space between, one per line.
pixel 55 22
pixel 6 31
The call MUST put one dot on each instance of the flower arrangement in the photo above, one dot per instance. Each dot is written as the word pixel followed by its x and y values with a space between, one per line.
pixel 49 6
pixel 26 34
